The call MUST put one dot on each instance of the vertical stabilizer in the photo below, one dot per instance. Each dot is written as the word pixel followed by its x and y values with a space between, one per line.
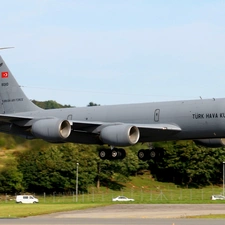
pixel 12 97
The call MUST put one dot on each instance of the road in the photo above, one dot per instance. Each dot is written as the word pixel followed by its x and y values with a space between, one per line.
pixel 124 214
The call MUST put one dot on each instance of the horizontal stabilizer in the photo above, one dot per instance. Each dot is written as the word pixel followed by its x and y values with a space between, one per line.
pixel 10 118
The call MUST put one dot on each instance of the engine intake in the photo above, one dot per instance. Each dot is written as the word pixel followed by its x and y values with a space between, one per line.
pixel 120 135
pixel 52 130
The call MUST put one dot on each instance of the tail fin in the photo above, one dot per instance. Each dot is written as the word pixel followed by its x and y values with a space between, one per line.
pixel 12 98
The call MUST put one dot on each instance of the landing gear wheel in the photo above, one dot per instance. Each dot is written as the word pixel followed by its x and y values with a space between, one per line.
pixel 121 153
pixel 118 153
pixel 104 154
pixel 152 154
pixel 141 154
pixel 114 154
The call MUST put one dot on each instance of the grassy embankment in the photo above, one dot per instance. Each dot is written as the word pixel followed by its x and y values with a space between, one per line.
pixel 142 188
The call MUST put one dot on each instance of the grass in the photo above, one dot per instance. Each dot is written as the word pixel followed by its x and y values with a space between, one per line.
pixel 145 190
pixel 142 188
pixel 211 216
pixel 7 155
pixel 24 210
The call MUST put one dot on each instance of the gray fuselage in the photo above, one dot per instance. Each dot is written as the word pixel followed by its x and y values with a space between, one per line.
pixel 196 118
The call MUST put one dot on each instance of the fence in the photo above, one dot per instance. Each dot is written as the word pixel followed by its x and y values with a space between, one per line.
pixel 141 195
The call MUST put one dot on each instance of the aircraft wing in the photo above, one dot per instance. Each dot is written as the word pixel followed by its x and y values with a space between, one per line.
pixel 148 132
pixel 92 125
pixel 154 131
pixel 87 126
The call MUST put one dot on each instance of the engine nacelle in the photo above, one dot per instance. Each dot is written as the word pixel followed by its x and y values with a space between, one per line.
pixel 120 135
pixel 213 143
pixel 52 130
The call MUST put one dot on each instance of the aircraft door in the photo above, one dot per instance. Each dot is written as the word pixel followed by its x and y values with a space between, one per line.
pixel 156 115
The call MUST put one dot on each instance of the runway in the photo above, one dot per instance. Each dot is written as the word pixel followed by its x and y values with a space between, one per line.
pixel 124 214
pixel 87 221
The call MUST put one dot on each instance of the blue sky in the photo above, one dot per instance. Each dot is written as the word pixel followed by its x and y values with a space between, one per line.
pixel 115 52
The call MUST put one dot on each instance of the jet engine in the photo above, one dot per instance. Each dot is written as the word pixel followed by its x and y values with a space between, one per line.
pixel 120 135
pixel 52 130
pixel 213 143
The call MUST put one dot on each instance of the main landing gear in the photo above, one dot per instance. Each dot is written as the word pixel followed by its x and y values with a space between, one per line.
pixel 147 154
pixel 120 153
pixel 114 153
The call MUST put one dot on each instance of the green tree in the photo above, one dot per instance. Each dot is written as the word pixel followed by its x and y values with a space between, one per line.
pixel 50 104
pixel 93 104
pixel 188 164
pixel 54 168
pixel 10 179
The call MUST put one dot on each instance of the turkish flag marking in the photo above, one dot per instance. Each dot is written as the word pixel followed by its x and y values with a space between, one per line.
pixel 5 74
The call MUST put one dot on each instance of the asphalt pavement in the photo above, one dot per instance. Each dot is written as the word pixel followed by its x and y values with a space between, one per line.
pixel 124 214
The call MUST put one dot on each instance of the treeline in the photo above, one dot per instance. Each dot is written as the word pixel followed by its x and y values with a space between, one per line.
pixel 53 168
pixel 50 104
pixel 189 165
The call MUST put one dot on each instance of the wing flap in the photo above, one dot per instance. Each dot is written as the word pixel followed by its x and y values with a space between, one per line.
pixel 161 126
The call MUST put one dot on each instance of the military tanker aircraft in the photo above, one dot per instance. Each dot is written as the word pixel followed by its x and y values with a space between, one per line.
pixel 201 120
